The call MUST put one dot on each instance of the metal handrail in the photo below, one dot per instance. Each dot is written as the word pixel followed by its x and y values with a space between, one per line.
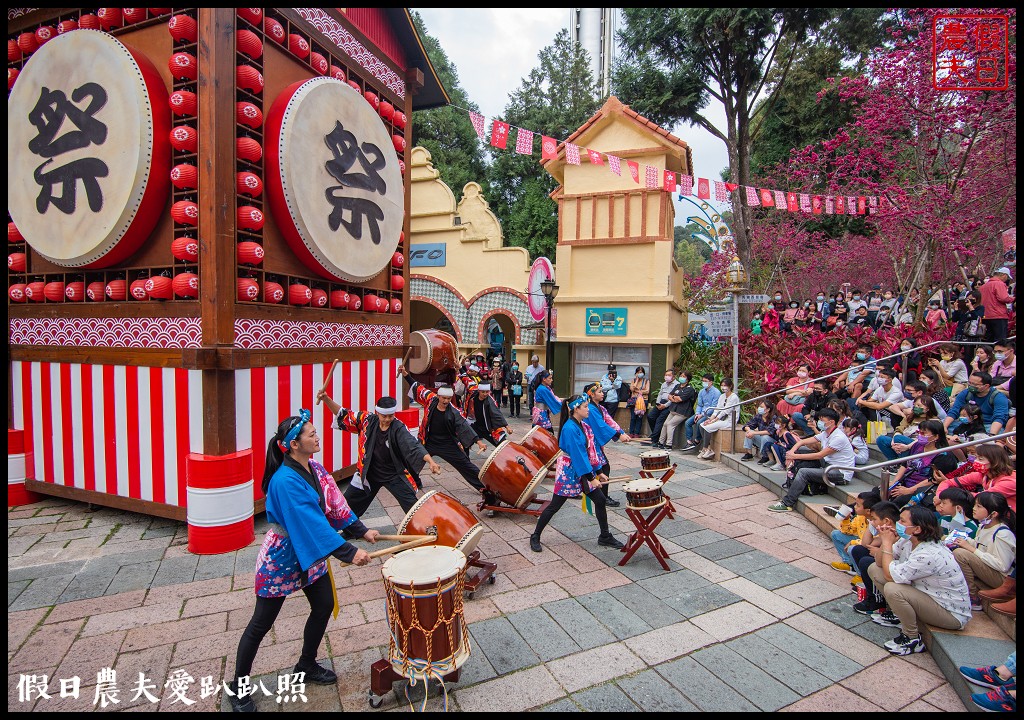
pixel 936 451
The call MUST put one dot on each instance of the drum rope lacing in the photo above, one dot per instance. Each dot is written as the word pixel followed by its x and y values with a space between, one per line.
pixel 425 668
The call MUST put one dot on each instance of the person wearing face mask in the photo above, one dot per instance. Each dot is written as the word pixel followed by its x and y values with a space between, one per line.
pixel 840 309
pixel 726 411
pixel 920 581
pixel 986 560
pixel 797 389
pixel 836 450
pixel 514 380
pixel 1005 365
pixel 683 399
pixel 755 431
pixel 611 386
pixel 858 376
pixel 778 303
pixel 992 470
pixel 639 390
pixel 875 403
pixel 882 515
pixel 789 316
pixel 911 359
pixel 935 317
pixel 658 413
pixel 707 400
pixel 915 476
pixel 817 400
pixel 855 302
pixel 951 369
pixel 855 431
pixel 804 315
pixel 823 312
pixel 771 320
pixel 874 301
pixel 604 428
pixel 995 407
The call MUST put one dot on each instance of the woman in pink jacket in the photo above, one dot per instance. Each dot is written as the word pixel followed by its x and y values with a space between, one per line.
pixel 995 474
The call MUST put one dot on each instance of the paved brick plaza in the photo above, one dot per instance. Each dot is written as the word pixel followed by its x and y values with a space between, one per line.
pixel 750 617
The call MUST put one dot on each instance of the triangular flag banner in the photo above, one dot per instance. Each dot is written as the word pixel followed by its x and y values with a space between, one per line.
pixel 651 177
pixel 851 205
pixel 634 170
pixel 816 204
pixel 499 134
pixel 478 123
pixel 548 148
pixel 752 199
pixel 731 186
pixel 595 157
pixel 703 189
pixel 791 202
pixel 572 154
pixel 686 184
pixel 524 141
pixel 670 181
pixel 829 205
pixel 862 205
pixel 720 193
pixel 873 204
pixel 840 205
pixel 766 198
pixel 614 164
pixel 780 200
pixel 805 202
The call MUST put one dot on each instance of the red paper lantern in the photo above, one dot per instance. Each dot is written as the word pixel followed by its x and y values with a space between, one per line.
pixel 272 292
pixel 12 75
pixel 250 218
pixel 248 289
pixel 274 30
pixel 339 299
pixel 319 298
pixel 397 260
pixel 16 262
pixel 13 51
pixel 354 303
pixel 319 63
pixel 157 287
pixel 16 292
pixel 253 15
pixel 299 294
pixel 89 22
pixel 75 291
pixel 185 177
pixel 298 46
pixel 159 11
pixel 250 253
pixel 396 306
pixel 399 120
pixel 386 110
pixel 248 78
pixel 355 86
pixel 54 291
pixel 371 97
pixel 183 102
pixel 14 234
pixel 399 142
pixel 337 73
pixel 185 212
pixel 134 15
pixel 248 183
pixel 249 43
pixel 185 138
pixel 66 26
pixel 248 149
pixel 183 66
pixel 185 285
pixel 34 291
pixel 44 33
pixel 137 290
pixel 383 305
pixel 401 166
pixel 397 282
pixel 117 290
pixel 94 291
pixel 183 28
pixel 109 18
pixel 28 43
pixel 248 114
pixel 185 249
pixel 371 303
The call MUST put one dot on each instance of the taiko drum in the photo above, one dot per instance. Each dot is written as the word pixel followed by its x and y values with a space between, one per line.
pixel 512 473
pixel 654 460
pixel 644 494
pixel 446 518
pixel 434 356
pixel 542 443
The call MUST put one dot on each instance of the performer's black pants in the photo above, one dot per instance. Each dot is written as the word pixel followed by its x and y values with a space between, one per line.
pixel 557 501
pixel 454 456
pixel 486 435
pixel 359 499
pixel 321 604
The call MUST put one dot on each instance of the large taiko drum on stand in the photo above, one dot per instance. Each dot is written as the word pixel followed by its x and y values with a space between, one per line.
pixel 512 473
pixel 424 589
pixel 443 516
pixel 434 356
pixel 654 460
pixel 644 494
pixel 542 443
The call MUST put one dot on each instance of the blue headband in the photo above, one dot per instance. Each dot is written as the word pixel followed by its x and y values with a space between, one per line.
pixel 293 433
pixel 577 402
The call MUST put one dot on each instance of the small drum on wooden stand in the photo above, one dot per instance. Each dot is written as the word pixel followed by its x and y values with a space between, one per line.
pixel 455 526
pixel 654 460
pixel 429 637
pixel 644 494
pixel 542 443
pixel 433 357
pixel 511 475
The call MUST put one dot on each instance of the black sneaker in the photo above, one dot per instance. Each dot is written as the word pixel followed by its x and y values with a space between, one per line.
pixel 317 674
pixel 239 704
pixel 886 618
pixel 611 502
pixel 747 457
pixel 764 461
pixel 910 646
pixel 535 544
pixel 609 541
pixel 867 607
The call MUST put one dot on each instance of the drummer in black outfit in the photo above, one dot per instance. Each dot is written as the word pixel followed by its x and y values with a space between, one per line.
pixel 487 419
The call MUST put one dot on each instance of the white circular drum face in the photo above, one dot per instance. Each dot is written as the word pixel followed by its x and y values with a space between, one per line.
pixel 80 144
pixel 424 565
pixel 340 180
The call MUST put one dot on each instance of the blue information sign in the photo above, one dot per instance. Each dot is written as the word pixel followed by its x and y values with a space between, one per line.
pixel 606 321
pixel 427 255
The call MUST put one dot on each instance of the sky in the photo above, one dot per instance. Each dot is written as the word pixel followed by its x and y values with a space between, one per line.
pixel 493 49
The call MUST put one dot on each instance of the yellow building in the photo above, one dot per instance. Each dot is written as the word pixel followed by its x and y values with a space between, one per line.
pixel 461 278
pixel 620 290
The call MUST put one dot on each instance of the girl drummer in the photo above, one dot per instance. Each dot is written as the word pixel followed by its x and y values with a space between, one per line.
pixel 577 471
pixel 545 401
pixel 306 511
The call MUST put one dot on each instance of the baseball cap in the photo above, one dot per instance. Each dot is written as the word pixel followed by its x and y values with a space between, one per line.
pixel 611 368
pixel 1005 271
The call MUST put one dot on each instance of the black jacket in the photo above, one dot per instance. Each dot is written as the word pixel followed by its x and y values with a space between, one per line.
pixel 687 397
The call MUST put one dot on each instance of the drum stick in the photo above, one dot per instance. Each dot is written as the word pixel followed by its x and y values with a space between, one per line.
pixel 327 381
pixel 405 359
pixel 404 538
pixel 624 478
pixel 404 546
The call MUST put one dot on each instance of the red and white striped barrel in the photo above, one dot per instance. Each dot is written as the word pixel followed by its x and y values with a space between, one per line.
pixel 16 492
pixel 219 505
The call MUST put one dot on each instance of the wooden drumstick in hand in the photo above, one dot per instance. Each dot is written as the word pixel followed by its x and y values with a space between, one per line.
pixel 404 361
pixel 327 381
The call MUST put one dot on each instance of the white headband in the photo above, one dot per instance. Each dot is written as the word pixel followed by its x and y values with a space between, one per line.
pixel 386 411
pixel 446 392
pixel 483 386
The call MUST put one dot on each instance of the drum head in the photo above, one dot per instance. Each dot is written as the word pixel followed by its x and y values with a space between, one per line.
pixel 412 511
pixel 642 485
pixel 651 454
pixel 421 357
pixel 423 565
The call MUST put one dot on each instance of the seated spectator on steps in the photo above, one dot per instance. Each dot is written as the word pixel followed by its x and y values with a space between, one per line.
pixel 852 528
pixel 920 580
pixel 818 399
pixel 882 515
pixel 911 360
pixel 858 376
pixel 901 443
pixel 707 400
pixel 955 508
pixel 836 451
pixel 781 440
pixel 789 316
pixel 992 470
pixel 951 369
pixel 994 406
pixel 726 412
pixel 937 390
pixel 914 476
pixel 984 359
pixel 935 317
pixel 860 318
pixel 1005 365
pixel 855 431
pixel 797 390
pixel 756 430
pixel 986 560
pixel 682 398
pixel 876 404
pixel 1002 680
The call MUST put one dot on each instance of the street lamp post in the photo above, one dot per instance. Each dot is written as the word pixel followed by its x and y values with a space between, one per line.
pixel 550 291
pixel 736 275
